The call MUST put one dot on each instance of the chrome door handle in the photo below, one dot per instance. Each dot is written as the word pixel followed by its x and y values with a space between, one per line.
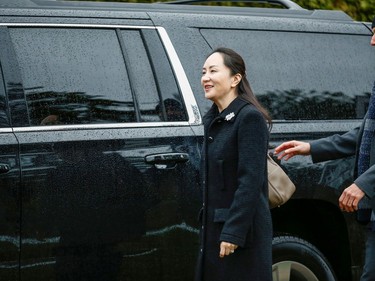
pixel 165 158
pixel 165 161
pixel 4 168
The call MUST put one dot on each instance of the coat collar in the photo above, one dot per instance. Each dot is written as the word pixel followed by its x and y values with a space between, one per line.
pixel 229 114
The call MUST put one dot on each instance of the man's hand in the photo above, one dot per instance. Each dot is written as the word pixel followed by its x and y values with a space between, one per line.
pixel 291 148
pixel 350 198
pixel 227 248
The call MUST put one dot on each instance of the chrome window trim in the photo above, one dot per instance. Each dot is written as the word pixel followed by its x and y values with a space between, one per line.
pixel 84 25
pixel 279 127
pixel 6 130
pixel 186 91
pixel 99 126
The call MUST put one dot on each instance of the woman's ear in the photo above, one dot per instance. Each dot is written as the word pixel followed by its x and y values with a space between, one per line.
pixel 236 80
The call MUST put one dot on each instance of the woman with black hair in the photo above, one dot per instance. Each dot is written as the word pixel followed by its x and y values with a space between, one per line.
pixel 236 236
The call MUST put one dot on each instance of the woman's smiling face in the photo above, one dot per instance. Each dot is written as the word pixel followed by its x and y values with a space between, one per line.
pixel 217 80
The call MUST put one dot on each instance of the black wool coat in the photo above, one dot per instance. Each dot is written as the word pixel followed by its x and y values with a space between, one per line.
pixel 235 207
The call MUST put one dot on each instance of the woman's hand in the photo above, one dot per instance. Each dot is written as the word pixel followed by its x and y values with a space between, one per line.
pixel 291 148
pixel 227 248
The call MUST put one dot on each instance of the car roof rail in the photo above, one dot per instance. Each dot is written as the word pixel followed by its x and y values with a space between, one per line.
pixel 285 3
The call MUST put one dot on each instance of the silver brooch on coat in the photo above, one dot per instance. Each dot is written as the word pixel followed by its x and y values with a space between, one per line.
pixel 229 116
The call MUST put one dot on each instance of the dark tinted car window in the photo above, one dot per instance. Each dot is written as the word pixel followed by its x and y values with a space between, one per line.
pixel 4 121
pixel 172 108
pixel 152 77
pixel 304 75
pixel 73 76
pixel 141 74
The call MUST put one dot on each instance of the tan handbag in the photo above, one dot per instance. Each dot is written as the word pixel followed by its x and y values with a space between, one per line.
pixel 280 187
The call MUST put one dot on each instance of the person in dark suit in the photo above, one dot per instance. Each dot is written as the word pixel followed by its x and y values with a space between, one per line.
pixel 360 195
pixel 236 234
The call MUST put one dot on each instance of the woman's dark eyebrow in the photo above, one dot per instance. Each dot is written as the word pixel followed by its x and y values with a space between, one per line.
pixel 211 66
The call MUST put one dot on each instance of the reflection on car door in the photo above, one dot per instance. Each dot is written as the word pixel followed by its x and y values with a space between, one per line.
pixel 108 207
pixel 9 206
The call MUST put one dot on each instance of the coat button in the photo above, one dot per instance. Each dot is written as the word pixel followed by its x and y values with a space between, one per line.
pixel 210 139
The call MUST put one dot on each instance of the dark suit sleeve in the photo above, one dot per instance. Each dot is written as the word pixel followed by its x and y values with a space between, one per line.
pixel 334 147
pixel 366 182
pixel 339 146
pixel 252 151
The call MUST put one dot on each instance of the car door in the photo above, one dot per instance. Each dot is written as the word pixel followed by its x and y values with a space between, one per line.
pixel 10 213
pixel 109 159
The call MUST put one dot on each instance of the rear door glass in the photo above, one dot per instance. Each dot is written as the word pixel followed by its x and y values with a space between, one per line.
pixel 304 76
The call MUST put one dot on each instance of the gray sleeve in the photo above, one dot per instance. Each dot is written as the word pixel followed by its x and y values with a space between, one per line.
pixel 366 182
pixel 334 147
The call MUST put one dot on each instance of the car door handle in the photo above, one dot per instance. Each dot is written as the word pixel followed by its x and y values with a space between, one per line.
pixel 4 168
pixel 166 160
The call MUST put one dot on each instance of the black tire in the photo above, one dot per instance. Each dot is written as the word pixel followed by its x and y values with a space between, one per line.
pixel 295 259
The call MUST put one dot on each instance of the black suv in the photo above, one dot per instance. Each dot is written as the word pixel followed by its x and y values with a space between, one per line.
pixel 101 130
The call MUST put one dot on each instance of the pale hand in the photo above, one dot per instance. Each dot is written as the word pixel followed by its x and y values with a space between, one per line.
pixel 226 249
pixel 289 149
pixel 350 198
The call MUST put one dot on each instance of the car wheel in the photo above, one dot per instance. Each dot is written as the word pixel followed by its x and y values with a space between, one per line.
pixel 295 259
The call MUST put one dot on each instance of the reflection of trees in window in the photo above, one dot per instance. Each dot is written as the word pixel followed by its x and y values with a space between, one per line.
pixel 171 109
pixel 297 104
pixel 77 108
pixel 16 102
pixel 4 122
